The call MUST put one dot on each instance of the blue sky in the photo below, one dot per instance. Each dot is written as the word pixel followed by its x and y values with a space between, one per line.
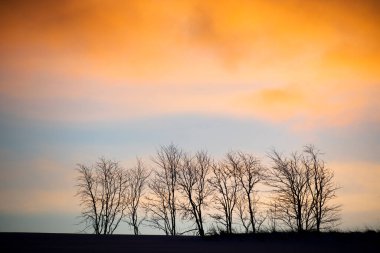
pixel 39 157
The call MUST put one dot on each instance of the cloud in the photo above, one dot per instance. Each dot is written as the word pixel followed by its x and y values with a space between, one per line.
pixel 78 60
pixel 143 39
pixel 313 106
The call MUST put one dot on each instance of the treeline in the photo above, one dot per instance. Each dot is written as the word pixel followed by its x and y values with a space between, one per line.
pixel 196 190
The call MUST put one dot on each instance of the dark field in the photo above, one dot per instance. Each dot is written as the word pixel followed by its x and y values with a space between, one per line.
pixel 277 242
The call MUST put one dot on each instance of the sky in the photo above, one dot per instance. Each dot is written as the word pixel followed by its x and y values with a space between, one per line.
pixel 84 79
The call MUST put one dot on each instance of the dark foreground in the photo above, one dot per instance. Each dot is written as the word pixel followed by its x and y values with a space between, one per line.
pixel 277 242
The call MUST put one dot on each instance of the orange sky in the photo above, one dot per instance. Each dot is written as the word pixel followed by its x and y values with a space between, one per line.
pixel 320 58
pixel 303 66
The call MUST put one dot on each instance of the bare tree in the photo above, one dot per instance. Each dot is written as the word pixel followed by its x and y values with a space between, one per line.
pixel 304 188
pixel 137 178
pixel 290 182
pixel 249 173
pixel 225 197
pixel 322 190
pixel 193 185
pixel 243 212
pixel 162 204
pixel 103 191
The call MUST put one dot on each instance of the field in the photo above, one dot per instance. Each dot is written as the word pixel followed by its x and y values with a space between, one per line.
pixel 278 242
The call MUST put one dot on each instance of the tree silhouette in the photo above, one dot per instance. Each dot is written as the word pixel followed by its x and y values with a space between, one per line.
pixel 194 187
pixel 162 203
pixel 137 179
pixel 225 197
pixel 303 188
pixel 249 172
pixel 289 180
pixel 103 191
pixel 322 190
pixel 182 187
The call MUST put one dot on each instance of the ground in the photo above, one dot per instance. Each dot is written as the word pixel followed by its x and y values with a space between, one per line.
pixel 279 242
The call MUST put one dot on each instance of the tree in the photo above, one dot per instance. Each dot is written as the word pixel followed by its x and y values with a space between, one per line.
pixel 162 205
pixel 303 188
pixel 193 184
pixel 322 190
pixel 103 191
pixel 249 173
pixel 225 197
pixel 290 182
pixel 137 178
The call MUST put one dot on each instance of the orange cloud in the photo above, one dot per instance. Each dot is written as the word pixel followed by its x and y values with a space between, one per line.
pixel 312 105
pixel 115 54
pixel 148 37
